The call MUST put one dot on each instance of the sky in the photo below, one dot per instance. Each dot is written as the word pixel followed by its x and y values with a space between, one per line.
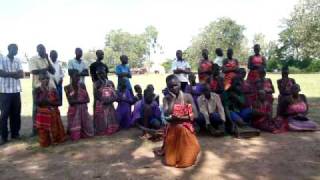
pixel 64 25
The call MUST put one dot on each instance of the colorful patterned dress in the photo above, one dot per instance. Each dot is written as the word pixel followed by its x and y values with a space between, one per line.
pixel 105 120
pixel 253 74
pixel 80 125
pixel 229 76
pixel 266 122
pixel 48 120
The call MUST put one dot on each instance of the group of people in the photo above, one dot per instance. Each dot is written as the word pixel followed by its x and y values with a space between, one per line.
pixel 222 101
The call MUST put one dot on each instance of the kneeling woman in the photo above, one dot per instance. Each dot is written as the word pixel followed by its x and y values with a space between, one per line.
pixel 262 115
pixel 48 120
pixel 80 125
pixel 294 109
pixel 180 146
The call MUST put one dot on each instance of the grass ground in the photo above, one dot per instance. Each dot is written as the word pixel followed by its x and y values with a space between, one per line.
pixel 125 156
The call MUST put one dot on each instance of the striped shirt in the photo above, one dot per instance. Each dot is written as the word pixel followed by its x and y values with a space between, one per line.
pixel 8 84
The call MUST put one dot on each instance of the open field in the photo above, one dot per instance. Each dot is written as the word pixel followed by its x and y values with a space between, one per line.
pixel 124 156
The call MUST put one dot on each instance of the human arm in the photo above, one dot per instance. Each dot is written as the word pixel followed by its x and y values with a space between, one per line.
pixel 16 75
pixel 250 65
pixel 71 95
pixel 304 99
pixel 272 88
pixel 85 72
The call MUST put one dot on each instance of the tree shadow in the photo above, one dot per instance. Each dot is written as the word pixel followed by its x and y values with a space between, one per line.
pixel 124 156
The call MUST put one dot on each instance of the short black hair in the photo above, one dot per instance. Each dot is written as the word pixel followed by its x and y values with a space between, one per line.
pixel 219 52
pixel 171 77
pixel 77 49
pixel 10 46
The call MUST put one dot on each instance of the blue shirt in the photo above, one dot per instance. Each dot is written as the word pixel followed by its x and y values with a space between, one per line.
pixel 77 65
pixel 124 69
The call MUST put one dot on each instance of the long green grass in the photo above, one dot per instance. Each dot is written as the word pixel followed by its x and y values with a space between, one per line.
pixel 308 82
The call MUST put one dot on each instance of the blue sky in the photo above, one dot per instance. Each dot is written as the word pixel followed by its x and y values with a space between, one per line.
pixel 66 24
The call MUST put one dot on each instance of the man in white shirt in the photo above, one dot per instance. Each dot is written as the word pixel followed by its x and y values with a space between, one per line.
pixel 181 68
pixel 10 100
pixel 219 57
pixel 40 64
pixel 211 112
pixel 58 75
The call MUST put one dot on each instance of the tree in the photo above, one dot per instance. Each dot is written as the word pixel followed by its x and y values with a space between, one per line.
pixel 167 65
pixel 301 35
pixel 224 33
pixel 136 46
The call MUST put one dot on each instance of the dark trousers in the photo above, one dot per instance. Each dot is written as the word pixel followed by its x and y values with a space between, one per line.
pixel 10 107
pixel 59 90
pixel 34 112
pixel 215 120
pixel 183 86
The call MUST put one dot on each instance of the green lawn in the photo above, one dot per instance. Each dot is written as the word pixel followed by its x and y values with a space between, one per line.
pixel 308 83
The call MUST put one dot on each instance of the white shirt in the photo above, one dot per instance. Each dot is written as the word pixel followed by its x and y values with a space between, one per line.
pixel 181 65
pixel 219 61
pixel 8 84
pixel 58 75
pixel 212 105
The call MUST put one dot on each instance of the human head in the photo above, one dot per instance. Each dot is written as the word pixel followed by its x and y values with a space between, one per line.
pixel 242 73
pixel 12 49
pixel 148 96
pixel 192 78
pixel 75 76
pixel 100 55
pixel 53 55
pixel 44 79
pixel 230 53
pixel 179 54
pixel 124 59
pixel 236 85
pixel 285 72
pixel 256 49
pixel 295 89
pixel 206 90
pixel 41 50
pixel 78 52
pixel 173 84
pixel 110 84
pixel 205 53
pixel 261 94
pixel 215 69
pixel 259 84
pixel 219 52
pixel 137 89
pixel 150 88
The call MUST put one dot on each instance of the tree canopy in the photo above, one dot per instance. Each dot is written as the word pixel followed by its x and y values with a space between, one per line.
pixel 223 33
